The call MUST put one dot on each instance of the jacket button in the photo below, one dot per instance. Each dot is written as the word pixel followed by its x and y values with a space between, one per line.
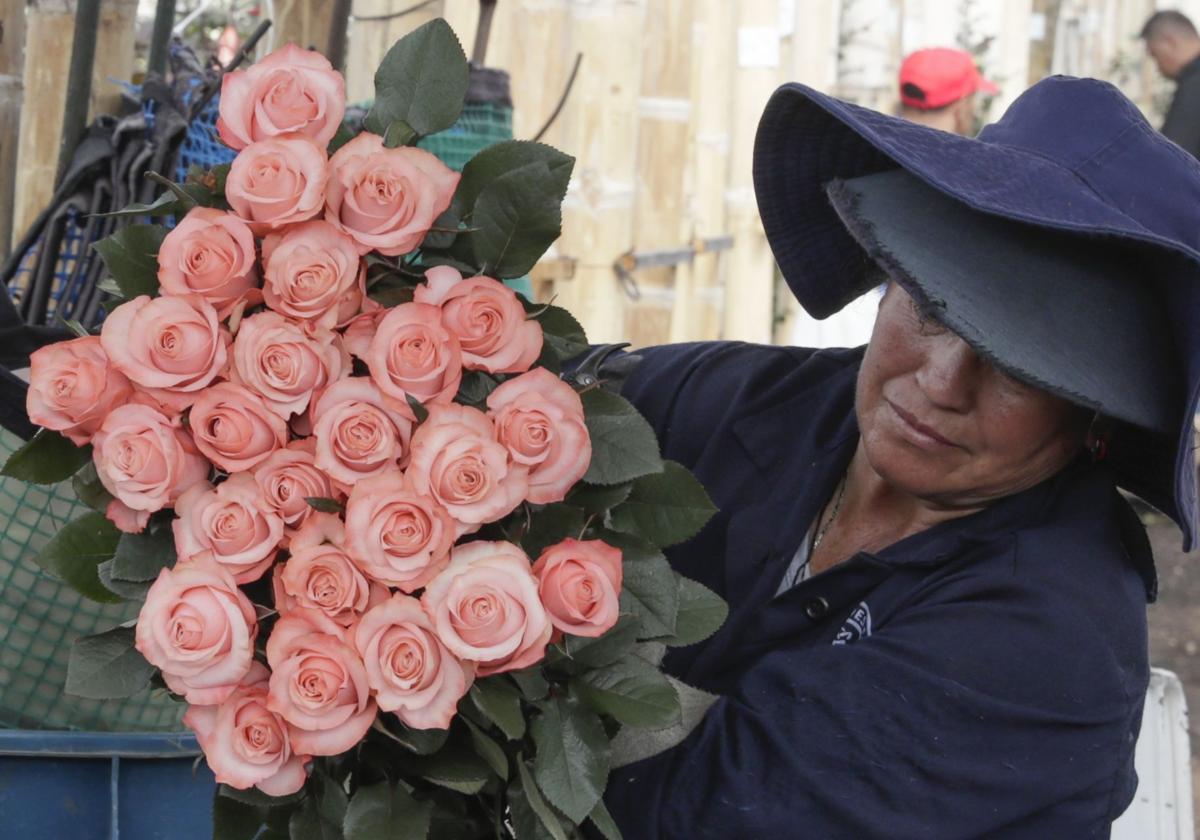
pixel 816 608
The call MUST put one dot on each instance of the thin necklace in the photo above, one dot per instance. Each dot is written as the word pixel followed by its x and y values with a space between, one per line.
pixel 837 506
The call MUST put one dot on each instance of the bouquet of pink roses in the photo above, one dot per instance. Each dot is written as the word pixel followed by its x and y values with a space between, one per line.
pixel 394 562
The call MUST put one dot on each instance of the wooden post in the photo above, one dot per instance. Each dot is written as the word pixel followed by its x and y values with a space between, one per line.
pixel 49 30
pixel 750 278
pixel 602 133
pixel 371 37
pixel 664 117
pixel 303 22
pixel 697 311
pixel 12 44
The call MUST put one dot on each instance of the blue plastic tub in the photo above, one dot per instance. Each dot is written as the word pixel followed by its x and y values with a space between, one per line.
pixel 103 786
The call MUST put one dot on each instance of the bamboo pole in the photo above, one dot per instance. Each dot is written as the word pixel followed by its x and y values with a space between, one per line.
pixel 750 279
pixel 660 205
pixel 160 38
pixel 79 81
pixel 303 22
pixel 601 131
pixel 12 45
pixel 696 314
pixel 116 47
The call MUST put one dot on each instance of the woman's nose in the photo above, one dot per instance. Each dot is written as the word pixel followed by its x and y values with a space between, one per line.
pixel 951 372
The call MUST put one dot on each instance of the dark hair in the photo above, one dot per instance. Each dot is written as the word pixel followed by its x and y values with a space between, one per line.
pixel 1161 22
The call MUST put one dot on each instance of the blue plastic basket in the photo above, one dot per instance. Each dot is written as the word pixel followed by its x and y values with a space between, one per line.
pixel 100 786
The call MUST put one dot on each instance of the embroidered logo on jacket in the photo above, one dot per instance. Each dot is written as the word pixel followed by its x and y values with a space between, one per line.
pixel 857 626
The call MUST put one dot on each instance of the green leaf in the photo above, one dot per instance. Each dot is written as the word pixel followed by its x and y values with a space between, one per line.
pixel 624 446
pixel 666 508
pixel 386 812
pixel 497 161
pixel 562 332
pixel 532 682
pixel 701 613
pixel 421 82
pixel 343 136
pixel 127 589
pixel 166 204
pixel 501 704
pixel 632 691
pixel 140 557
pixel 456 766
pixel 77 549
pixel 648 588
pixel 131 257
pixel 475 388
pixel 322 813
pixel 399 133
pixel 525 800
pixel 421 412
pixel 604 822
pixel 443 232
pixel 488 750
pixel 417 741
pixel 571 765
pixel 606 649
pixel 549 525
pixel 516 217
pixel 254 796
pixel 47 458
pixel 233 820
pixel 107 666
pixel 595 500
pixel 325 505
pixel 75 327
pixel 89 489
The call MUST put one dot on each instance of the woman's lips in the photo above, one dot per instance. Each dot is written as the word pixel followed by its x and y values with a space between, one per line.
pixel 917 431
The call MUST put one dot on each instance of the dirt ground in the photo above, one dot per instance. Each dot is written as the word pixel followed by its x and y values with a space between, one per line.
pixel 1175 625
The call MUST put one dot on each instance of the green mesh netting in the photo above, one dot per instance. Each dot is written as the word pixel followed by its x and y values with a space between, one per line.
pixel 481 124
pixel 40 617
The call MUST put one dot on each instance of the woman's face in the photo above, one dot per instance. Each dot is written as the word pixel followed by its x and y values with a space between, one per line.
pixel 940 423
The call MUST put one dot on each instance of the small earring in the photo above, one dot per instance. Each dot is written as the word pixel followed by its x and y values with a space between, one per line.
pixel 1096 441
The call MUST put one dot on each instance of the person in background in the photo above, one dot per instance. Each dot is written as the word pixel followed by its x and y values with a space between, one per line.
pixel 938 87
pixel 1172 41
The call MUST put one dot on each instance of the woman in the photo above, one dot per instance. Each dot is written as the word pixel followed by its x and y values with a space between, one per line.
pixel 937 592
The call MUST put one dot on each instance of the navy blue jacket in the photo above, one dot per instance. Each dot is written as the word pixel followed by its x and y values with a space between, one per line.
pixel 982 678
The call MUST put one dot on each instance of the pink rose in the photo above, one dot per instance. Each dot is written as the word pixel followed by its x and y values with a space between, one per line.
pixel 412 354
pixel 320 576
pixel 411 672
pixel 199 629
pixel 72 387
pixel 318 684
pixel 126 519
pixel 486 609
pixel 291 91
pixel 235 427
pixel 387 199
pixel 394 535
pixel 358 333
pixel 579 583
pixel 313 274
pixel 209 253
pixel 230 521
pixel 455 459
pixel 539 419
pixel 288 477
pixel 172 346
pixel 145 460
pixel 358 434
pixel 487 319
pixel 283 364
pixel 245 743
pixel 277 182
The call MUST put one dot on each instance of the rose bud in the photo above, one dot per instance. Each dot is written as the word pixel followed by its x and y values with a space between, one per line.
pixel 284 364
pixel 313 273
pixel 277 182
pixel 232 522
pixel 210 253
pixel 319 575
pixel 413 355
pixel 144 459
pixel 579 583
pixel 73 387
pixel 235 427
pixel 358 433
pixel 288 478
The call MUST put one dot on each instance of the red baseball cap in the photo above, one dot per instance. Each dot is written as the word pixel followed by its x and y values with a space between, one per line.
pixel 936 77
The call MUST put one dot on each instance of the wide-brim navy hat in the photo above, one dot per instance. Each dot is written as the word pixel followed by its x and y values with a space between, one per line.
pixel 1071 157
